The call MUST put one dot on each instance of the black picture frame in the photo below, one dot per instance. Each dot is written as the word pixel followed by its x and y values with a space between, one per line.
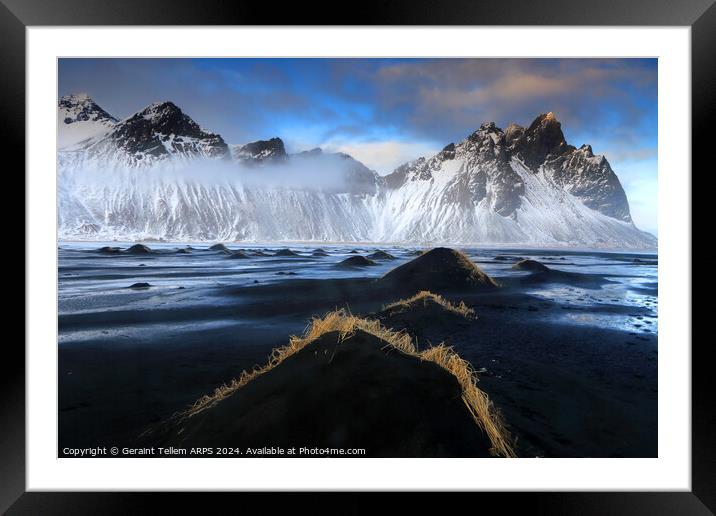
pixel 699 15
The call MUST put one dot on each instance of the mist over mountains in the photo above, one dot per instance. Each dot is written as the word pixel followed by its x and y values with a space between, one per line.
pixel 158 175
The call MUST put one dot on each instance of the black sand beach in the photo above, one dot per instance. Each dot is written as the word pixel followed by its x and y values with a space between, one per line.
pixel 566 383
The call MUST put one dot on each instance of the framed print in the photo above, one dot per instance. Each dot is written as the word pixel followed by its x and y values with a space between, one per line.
pixel 434 250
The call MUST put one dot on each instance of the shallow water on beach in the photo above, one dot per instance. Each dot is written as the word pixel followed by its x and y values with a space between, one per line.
pixel 625 298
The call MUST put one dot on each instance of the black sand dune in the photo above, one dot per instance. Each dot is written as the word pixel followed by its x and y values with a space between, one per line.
pixel 504 258
pixel 356 261
pixel 319 253
pixel 139 286
pixel 138 249
pixel 184 250
pixel 424 311
pixel 543 274
pixel 219 247
pixel 238 255
pixel 286 252
pixel 381 255
pixel 259 253
pixel 348 383
pixel 531 265
pixel 438 270
pixel 109 250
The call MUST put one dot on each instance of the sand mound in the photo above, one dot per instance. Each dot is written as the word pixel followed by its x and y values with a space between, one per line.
pixel 440 269
pixel 184 250
pixel 319 252
pixel 238 255
pixel 219 247
pixel 259 253
pixel 109 250
pixel 531 265
pixel 381 255
pixel 503 258
pixel 356 261
pixel 428 317
pixel 349 383
pixel 286 252
pixel 139 249
pixel 139 285
pixel 540 273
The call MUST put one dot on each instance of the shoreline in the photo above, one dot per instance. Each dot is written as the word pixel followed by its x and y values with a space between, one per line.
pixel 283 243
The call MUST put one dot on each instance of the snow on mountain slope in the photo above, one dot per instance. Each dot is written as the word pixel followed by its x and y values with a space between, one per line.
pixel 158 175
pixel 130 204
pixel 80 118
pixel 547 215
pixel 159 135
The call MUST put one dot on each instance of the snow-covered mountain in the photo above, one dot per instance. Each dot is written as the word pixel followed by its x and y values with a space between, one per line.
pixel 79 118
pixel 519 185
pixel 259 151
pixel 157 174
pixel 160 134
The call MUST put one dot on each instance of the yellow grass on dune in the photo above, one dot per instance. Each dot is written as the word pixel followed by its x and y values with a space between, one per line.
pixel 477 402
pixel 424 297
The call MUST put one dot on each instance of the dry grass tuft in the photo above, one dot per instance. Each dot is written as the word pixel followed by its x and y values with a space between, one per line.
pixel 483 412
pixel 477 402
pixel 424 297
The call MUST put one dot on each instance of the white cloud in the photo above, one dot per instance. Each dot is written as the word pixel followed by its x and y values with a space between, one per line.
pixel 382 156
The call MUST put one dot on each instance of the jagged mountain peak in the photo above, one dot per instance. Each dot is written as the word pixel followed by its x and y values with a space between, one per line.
pixel 165 118
pixel 160 109
pixel 586 149
pixel 161 130
pixel 488 127
pixel 316 151
pixel 543 137
pixel 483 168
pixel 80 118
pixel 80 107
pixel 74 99
pixel 545 121
pixel 513 132
pixel 271 150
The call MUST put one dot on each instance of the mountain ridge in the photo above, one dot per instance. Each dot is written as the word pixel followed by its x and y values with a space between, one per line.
pixel 517 185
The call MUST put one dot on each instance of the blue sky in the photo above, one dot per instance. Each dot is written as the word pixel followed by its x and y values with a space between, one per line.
pixel 387 111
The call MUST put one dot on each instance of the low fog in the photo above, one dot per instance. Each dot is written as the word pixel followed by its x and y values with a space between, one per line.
pixel 323 172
